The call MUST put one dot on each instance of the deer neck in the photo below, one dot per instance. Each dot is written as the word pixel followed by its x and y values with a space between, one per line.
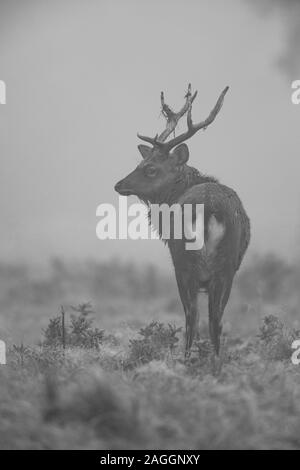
pixel 187 177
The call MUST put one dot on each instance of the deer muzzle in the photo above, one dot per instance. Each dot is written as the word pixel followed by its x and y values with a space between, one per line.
pixel 122 190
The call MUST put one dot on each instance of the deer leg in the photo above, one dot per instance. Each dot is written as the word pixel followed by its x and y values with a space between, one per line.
pixel 190 305
pixel 192 321
pixel 218 295
pixel 183 292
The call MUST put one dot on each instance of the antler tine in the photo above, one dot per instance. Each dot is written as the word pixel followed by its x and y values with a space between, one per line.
pixel 172 119
pixel 192 129
pixel 151 140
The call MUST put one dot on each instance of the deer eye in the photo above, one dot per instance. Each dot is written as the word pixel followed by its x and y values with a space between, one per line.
pixel 150 171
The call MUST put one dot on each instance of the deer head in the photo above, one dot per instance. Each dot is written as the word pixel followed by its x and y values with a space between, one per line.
pixel 161 168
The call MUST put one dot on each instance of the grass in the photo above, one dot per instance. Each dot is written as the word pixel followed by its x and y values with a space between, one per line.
pixel 142 394
pixel 115 376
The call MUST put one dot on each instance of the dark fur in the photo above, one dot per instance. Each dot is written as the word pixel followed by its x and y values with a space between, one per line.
pixel 196 270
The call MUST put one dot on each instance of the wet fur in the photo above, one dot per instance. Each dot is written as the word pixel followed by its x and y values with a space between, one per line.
pixel 212 268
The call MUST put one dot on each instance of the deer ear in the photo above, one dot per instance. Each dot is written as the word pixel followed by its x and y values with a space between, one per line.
pixel 145 151
pixel 181 154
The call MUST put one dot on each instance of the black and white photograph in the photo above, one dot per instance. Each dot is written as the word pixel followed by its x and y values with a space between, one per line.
pixel 150 228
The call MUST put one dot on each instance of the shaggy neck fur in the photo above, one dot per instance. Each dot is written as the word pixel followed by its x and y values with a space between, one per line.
pixel 187 177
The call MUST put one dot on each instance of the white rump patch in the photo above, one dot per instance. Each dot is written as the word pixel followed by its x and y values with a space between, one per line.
pixel 216 231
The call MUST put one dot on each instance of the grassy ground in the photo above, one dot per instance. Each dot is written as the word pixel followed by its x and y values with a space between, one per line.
pixel 122 382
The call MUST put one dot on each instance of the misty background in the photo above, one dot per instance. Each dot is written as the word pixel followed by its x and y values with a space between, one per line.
pixel 84 77
pixel 94 330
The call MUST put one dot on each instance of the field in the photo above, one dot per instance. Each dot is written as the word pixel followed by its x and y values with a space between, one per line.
pixel 115 376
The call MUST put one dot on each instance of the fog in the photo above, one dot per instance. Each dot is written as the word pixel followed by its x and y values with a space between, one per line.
pixel 84 77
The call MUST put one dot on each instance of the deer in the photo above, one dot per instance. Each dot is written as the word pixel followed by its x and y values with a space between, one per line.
pixel 164 177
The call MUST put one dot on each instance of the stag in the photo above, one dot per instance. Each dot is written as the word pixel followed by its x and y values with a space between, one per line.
pixel 163 177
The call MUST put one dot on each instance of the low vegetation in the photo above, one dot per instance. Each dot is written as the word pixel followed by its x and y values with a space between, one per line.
pixel 86 383
pixel 103 393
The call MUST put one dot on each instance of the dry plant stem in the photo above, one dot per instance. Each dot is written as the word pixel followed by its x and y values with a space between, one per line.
pixel 63 327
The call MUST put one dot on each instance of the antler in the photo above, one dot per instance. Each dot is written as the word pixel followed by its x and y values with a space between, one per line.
pixel 173 118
